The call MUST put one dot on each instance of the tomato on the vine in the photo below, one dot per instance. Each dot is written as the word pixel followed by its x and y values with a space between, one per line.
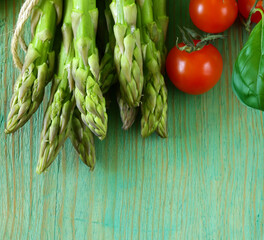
pixel 213 16
pixel 244 7
pixel 195 72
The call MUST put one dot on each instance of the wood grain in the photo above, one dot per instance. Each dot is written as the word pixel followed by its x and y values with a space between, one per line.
pixel 206 181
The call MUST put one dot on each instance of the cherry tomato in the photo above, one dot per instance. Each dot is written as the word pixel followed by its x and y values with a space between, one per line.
pixel 196 72
pixel 244 7
pixel 213 16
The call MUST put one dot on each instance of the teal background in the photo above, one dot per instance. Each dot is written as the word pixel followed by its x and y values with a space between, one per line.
pixel 206 181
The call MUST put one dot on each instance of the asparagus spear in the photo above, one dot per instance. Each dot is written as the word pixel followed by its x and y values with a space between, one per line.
pixel 128 52
pixel 38 66
pixel 61 105
pixel 162 20
pixel 107 73
pixel 155 92
pixel 89 97
pixel 128 114
pixel 82 139
pixel 162 128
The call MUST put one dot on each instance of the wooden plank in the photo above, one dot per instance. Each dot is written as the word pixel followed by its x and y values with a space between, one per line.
pixel 206 181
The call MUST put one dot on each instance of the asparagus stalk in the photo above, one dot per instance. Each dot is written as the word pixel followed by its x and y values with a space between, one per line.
pixel 38 66
pixel 155 92
pixel 162 20
pixel 128 52
pixel 82 139
pixel 58 114
pixel 89 97
pixel 128 114
pixel 107 73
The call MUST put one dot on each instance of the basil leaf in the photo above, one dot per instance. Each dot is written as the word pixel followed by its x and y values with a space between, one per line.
pixel 248 72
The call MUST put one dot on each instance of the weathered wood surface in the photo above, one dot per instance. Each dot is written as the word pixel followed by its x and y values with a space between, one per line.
pixel 206 181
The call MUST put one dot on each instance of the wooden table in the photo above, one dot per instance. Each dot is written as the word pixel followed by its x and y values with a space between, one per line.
pixel 206 181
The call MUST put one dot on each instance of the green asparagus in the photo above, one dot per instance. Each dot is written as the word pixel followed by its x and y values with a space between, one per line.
pixel 85 67
pixel 162 128
pixel 162 20
pixel 107 73
pixel 61 105
pixel 38 65
pixel 128 114
pixel 155 92
pixel 128 52
pixel 82 139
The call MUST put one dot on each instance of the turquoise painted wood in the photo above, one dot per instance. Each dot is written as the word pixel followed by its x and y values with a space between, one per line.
pixel 206 181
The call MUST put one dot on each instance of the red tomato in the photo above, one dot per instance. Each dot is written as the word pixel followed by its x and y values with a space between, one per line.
pixel 244 7
pixel 196 72
pixel 213 16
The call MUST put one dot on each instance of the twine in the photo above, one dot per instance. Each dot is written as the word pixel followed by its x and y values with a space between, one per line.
pixel 23 16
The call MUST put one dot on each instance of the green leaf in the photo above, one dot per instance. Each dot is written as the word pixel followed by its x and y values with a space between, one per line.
pixel 248 72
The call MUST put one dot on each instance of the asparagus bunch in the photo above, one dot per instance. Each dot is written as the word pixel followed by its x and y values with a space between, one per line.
pixel 128 52
pixel 136 35
pixel 155 93
pixel 89 97
pixel 82 139
pixel 38 65
pixel 58 114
